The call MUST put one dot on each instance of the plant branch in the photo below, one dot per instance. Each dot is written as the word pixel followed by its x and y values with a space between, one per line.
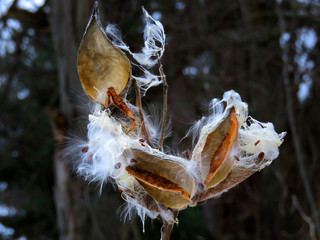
pixel 165 104
pixel 139 105
pixel 167 227
pixel 305 217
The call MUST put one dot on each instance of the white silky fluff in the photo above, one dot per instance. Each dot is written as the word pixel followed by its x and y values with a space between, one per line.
pixel 154 42
pixel 254 137
pixel 132 207
pixel 106 144
pixel 154 46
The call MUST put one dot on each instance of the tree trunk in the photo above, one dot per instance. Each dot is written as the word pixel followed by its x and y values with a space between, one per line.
pixel 68 20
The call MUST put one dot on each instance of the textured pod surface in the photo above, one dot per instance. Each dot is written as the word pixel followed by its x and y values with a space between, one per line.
pixel 101 64
pixel 165 178
pixel 215 150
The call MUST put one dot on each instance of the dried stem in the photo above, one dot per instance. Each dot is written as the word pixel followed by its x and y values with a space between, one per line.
pixel 167 227
pixel 165 104
pixel 139 105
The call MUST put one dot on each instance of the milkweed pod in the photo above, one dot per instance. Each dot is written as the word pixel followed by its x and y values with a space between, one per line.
pixel 240 171
pixel 101 64
pixel 164 177
pixel 238 174
pixel 216 149
pixel 140 201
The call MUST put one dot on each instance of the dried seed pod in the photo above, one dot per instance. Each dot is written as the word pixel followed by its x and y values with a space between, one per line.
pixel 101 64
pixel 164 177
pixel 214 150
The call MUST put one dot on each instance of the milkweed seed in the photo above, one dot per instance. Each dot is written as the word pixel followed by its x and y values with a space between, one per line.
pixel 261 155
pixel 85 149
pixel 117 165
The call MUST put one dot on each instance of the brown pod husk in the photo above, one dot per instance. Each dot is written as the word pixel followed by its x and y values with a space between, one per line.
pixel 164 177
pixel 216 148
pixel 101 64
pixel 137 192
pixel 241 170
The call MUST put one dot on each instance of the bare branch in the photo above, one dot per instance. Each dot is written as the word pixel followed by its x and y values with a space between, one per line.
pixel 139 105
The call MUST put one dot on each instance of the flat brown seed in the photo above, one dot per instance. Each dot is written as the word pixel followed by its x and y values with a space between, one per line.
pixel 85 149
pixel 261 155
pixel 117 166
pixel 133 160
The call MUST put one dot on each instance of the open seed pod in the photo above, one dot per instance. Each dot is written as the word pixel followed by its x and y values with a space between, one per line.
pixel 101 64
pixel 164 177
pixel 240 171
pixel 216 148
pixel 136 196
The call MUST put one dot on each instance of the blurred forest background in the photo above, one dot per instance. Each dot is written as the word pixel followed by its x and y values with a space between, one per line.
pixel 268 51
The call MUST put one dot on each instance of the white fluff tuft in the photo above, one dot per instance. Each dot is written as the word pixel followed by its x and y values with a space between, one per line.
pixel 154 46
pixel 148 80
pixel 259 138
pixel 132 207
pixel 154 42
pixel 153 124
pixel 102 155
pixel 195 129
pixel 193 170
pixel 114 35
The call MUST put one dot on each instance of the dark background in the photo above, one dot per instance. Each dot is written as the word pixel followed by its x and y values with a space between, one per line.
pixel 268 51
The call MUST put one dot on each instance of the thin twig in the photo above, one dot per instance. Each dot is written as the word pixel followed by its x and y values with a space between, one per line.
pixel 139 105
pixel 305 217
pixel 165 104
pixel 167 227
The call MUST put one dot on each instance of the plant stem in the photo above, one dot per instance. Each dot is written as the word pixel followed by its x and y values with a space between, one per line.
pixel 166 230
pixel 165 104
pixel 167 227
pixel 139 105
